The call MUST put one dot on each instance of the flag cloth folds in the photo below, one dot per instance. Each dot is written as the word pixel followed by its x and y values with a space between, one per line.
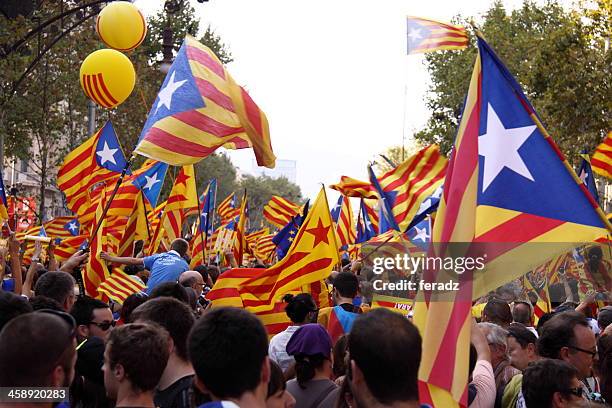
pixel 404 188
pixel 351 187
pixel 150 180
pixel 96 271
pixel 99 158
pixel 585 174
pixel 310 259
pixel 239 244
pixel 342 214
pixel 204 224
pixel 366 229
pixel 602 158
pixel 119 285
pixel 426 35
pixel 200 108
pixel 279 211
pixel 507 183
pixel 135 229
pixel 226 207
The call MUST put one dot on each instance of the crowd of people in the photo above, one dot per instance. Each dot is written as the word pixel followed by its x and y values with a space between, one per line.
pixel 170 347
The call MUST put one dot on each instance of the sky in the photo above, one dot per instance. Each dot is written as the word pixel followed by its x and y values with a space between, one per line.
pixel 332 76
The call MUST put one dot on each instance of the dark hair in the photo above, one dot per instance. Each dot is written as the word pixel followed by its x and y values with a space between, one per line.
pixel 142 350
pixel 473 359
pixel 172 315
pixel 542 321
pixel 521 312
pixel 604 365
pixel 11 306
pixel 558 332
pixel 306 367
pixel 203 270
pixel 604 319
pixel 346 284
pixel 498 311
pixel 213 271
pixel 227 348
pixel 521 334
pixel 390 368
pixel 133 269
pixel 277 380
pixel 32 345
pixel 43 302
pixel 83 308
pixel 131 303
pixel 55 285
pixel 170 289
pixel 192 297
pixel 543 378
pixel 180 245
pixel 299 306
pixel 339 353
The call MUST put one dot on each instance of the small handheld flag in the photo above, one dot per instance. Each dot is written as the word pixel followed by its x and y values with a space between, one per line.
pixel 428 35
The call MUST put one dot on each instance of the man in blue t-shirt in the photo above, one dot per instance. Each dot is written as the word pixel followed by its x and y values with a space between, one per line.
pixel 164 267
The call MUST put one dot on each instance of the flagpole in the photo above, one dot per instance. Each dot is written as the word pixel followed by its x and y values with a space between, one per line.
pixel 212 222
pixel 202 235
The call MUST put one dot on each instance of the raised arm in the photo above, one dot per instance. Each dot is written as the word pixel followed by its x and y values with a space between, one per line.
pixel 124 260
pixel 53 264
pixel 14 246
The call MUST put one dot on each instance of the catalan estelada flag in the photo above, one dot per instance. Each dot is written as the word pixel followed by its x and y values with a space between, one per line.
pixel 3 202
pixel 602 158
pixel 264 248
pixel 426 35
pixel 204 230
pixel 99 158
pixel 96 271
pixel 199 109
pixel 351 187
pixel 279 211
pixel 404 188
pixel 239 243
pixel 585 173
pixel 310 259
pixel 118 286
pixel 395 304
pixel 507 191
pixel 342 214
pixel 68 246
pixel 366 229
pixel 226 207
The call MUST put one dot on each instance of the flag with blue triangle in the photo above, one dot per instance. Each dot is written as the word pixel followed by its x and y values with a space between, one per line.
pixel 151 181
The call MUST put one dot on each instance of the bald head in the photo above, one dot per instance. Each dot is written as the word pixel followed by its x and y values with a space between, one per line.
pixel 192 279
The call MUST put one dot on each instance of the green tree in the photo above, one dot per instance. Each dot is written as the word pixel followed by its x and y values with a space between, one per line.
pixel 261 189
pixel 396 155
pixel 558 57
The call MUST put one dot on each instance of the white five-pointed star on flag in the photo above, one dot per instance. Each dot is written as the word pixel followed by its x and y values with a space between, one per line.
pixel 421 234
pixel 107 154
pixel 151 181
pixel 165 95
pixel 72 226
pixel 424 205
pixel 415 34
pixel 500 146
pixel 584 176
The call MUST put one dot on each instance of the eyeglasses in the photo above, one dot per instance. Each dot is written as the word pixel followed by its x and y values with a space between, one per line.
pixel 591 353
pixel 577 391
pixel 104 326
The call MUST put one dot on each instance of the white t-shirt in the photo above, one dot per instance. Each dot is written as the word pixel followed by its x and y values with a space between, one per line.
pixel 277 350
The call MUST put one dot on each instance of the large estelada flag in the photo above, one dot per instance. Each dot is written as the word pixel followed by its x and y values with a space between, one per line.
pixel 97 159
pixel 426 35
pixel 311 258
pixel 507 190
pixel 199 109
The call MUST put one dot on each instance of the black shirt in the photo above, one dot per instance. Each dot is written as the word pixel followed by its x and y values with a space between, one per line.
pixel 177 395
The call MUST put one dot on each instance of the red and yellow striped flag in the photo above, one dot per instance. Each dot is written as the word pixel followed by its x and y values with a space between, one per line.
pixel 279 211
pixel 209 111
pixel 118 286
pixel 311 258
pixel 226 207
pixel 345 225
pixel 239 244
pixel 135 229
pixel 351 187
pixel 264 248
pixel 96 270
pixel 426 35
pixel 601 162
pixel 68 247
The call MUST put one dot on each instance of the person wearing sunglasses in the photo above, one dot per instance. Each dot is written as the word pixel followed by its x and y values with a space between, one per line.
pixel 551 383
pixel 38 350
pixel 567 336
pixel 93 317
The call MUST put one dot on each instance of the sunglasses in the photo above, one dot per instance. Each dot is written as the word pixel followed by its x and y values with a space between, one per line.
pixel 104 326
pixel 577 391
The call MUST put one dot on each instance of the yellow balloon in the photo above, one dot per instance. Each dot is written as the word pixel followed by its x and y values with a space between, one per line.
pixel 121 26
pixel 107 77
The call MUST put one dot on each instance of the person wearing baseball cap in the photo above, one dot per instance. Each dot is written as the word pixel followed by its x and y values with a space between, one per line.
pixel 311 347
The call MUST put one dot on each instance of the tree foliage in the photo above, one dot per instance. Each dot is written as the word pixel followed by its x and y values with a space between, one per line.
pixel 396 155
pixel 559 58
